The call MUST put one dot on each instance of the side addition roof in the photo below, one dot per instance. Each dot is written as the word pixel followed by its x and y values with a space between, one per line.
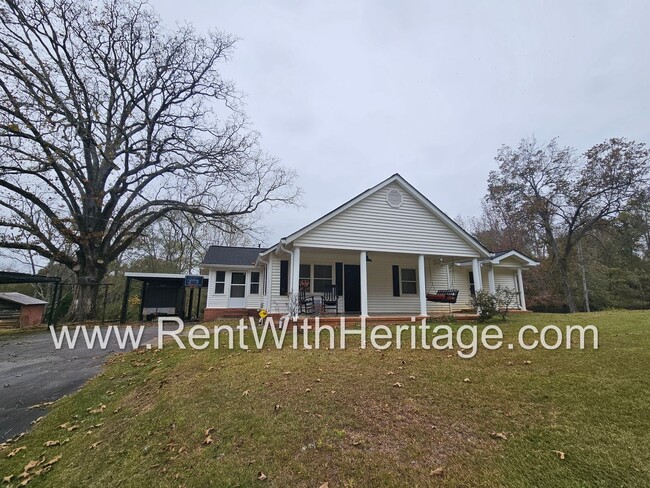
pixel 20 298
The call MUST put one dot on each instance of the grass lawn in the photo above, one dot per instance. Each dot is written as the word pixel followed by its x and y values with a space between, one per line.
pixel 305 418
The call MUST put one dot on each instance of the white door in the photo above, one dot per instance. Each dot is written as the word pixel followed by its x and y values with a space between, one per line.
pixel 237 290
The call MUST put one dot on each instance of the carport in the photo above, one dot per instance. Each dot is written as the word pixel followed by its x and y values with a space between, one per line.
pixel 164 294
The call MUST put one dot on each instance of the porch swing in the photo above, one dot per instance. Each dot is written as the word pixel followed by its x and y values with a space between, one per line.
pixel 444 296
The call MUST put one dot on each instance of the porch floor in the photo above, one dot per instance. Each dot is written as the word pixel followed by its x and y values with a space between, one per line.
pixel 384 319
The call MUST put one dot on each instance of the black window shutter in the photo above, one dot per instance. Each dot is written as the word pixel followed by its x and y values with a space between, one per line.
pixel 284 277
pixel 472 288
pixel 339 279
pixel 395 280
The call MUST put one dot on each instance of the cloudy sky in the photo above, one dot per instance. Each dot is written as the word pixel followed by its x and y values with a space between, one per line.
pixel 350 92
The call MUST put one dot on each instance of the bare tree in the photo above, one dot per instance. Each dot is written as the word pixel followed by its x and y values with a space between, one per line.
pixel 110 122
pixel 563 198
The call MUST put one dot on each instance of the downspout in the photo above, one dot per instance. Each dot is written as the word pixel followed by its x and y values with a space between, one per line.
pixel 284 249
pixel 267 294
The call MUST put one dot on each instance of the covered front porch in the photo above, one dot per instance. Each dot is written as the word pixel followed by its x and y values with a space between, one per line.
pixel 367 283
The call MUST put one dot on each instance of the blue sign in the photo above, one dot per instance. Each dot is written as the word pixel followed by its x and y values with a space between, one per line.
pixel 194 281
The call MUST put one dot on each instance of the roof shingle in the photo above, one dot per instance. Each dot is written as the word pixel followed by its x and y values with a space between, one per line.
pixel 232 255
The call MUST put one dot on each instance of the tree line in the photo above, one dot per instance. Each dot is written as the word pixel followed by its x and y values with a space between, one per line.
pixel 585 217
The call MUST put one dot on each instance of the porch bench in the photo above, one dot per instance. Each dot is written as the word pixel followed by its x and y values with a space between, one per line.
pixel 443 296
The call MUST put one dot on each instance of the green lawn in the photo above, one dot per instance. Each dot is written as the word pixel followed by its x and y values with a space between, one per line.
pixel 304 418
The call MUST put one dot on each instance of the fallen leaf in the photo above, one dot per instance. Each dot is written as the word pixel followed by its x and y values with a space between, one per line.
pixel 498 435
pixel 438 471
pixel 398 385
pixel 261 476
pixel 31 465
pixel 40 405
pixel 99 409
pixel 55 459
pixel 16 451
pixel 561 454
pixel 51 443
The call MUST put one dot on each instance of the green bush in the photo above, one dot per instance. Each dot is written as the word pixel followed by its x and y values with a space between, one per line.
pixel 489 305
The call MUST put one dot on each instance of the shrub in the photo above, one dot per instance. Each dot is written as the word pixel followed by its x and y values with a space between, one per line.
pixel 505 298
pixel 485 304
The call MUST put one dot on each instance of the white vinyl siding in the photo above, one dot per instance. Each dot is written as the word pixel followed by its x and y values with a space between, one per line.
pixel 220 300
pixel 505 278
pixel 437 280
pixel 373 225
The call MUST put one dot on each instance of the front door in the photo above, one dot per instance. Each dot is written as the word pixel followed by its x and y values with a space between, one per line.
pixel 237 290
pixel 352 288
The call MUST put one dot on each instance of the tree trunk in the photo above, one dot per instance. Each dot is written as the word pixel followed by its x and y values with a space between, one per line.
pixel 585 285
pixel 566 286
pixel 86 293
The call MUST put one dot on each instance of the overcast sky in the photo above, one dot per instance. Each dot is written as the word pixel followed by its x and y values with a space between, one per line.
pixel 350 92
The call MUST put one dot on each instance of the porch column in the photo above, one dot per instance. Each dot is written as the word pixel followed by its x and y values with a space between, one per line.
pixel 422 284
pixel 476 271
pixel 364 283
pixel 295 270
pixel 522 298
pixel 491 285
pixel 269 284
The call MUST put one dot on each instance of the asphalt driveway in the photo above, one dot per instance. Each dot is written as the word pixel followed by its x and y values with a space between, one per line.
pixel 32 371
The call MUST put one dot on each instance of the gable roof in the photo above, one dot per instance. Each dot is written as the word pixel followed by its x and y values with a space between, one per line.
pixel 501 255
pixel 231 256
pixel 20 298
pixel 397 178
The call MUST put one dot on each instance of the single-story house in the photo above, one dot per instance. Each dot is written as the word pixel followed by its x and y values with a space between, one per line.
pixel 18 309
pixel 387 251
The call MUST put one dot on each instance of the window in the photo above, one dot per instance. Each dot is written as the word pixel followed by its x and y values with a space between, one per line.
pixel 322 277
pixel 255 283
pixel 409 281
pixel 220 283
pixel 238 285
pixel 305 276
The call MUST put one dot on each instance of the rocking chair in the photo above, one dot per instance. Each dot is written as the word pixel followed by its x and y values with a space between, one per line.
pixel 330 299
pixel 306 304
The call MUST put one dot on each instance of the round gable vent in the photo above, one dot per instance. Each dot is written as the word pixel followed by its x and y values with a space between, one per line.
pixel 394 198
